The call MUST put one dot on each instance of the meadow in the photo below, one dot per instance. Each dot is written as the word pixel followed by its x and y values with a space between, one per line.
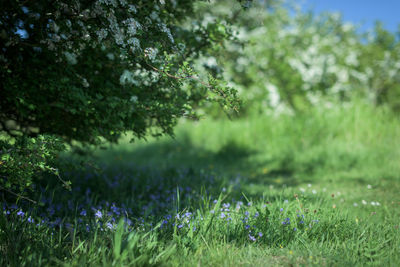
pixel 318 188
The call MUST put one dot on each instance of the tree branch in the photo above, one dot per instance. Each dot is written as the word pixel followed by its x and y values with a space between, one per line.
pixel 17 195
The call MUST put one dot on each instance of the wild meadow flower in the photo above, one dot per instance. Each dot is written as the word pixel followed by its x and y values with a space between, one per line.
pixel 252 238
pixel 115 210
pixel 21 213
pixel 260 234
pixel 110 226
pixel 98 214
pixel 30 220
pixel 286 221
pixel 83 213
pixel 281 209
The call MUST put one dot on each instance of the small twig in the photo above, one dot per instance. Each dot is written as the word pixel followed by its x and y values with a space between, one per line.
pixel 66 184
pixel 190 77
pixel 18 195
pixel 178 77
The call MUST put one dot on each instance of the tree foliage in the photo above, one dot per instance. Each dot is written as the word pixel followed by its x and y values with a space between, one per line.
pixel 91 70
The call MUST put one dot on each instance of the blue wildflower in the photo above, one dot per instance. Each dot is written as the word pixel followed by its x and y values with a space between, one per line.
pixel 226 205
pixel 110 225
pixel 115 210
pixel 83 213
pixel 252 238
pixel 21 213
pixel 98 214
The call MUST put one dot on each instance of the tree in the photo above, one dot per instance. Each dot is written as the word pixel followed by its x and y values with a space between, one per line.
pixel 92 70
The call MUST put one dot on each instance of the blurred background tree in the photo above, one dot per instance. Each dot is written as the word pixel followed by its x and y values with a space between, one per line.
pixel 286 60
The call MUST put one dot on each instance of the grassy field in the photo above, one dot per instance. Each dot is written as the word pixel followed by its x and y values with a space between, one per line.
pixel 320 188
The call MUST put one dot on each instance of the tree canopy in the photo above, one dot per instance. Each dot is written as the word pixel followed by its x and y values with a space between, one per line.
pixel 89 69
pixel 92 70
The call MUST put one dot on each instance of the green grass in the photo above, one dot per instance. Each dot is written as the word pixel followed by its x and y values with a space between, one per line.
pixel 323 164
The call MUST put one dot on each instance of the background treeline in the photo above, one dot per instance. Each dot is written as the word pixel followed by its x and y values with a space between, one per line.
pixel 286 60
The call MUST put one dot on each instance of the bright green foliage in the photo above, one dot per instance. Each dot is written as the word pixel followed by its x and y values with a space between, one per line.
pixel 292 60
pixel 92 70
pixel 26 158
pixel 381 59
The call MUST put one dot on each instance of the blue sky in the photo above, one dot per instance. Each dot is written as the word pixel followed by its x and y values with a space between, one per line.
pixel 362 12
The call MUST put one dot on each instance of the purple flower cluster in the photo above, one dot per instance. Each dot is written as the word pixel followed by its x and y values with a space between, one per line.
pixel 152 207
